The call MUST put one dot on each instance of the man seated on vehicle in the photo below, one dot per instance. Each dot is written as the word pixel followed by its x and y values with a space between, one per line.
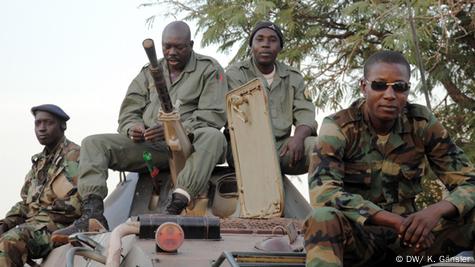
pixel 197 83
pixel 369 161
pixel 288 103
pixel 49 196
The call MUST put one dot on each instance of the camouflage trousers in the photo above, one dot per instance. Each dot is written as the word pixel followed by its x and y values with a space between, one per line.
pixel 333 240
pixel 118 152
pixel 23 242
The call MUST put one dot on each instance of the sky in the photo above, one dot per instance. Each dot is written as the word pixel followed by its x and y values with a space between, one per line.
pixel 79 55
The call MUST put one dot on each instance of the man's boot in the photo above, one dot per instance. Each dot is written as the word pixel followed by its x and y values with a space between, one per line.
pixel 178 204
pixel 92 220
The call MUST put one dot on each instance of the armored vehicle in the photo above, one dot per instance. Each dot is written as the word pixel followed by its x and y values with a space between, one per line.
pixel 251 214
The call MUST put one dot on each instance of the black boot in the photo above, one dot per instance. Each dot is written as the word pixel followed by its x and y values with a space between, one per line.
pixel 178 204
pixel 92 220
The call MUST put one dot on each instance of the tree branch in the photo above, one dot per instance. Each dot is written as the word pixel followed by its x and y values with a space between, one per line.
pixel 456 95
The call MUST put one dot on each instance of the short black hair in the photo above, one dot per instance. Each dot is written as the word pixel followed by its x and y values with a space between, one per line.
pixel 387 56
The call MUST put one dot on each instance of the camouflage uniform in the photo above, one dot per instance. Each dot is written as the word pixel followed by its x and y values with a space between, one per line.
pixel 287 102
pixel 198 93
pixel 354 178
pixel 49 201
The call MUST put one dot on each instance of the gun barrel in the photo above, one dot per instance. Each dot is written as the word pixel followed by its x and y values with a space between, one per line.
pixel 157 75
pixel 149 47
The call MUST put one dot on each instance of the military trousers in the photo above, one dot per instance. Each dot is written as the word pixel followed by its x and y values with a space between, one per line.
pixel 22 242
pixel 333 240
pixel 115 151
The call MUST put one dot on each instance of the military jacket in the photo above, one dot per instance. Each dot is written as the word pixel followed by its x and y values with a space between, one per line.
pixel 359 178
pixel 287 102
pixel 198 95
pixel 49 194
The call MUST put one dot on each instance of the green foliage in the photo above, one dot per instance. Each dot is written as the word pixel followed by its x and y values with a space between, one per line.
pixel 460 122
pixel 330 40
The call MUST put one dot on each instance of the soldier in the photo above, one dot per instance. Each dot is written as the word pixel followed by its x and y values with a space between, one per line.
pixel 287 99
pixel 197 83
pixel 369 160
pixel 49 196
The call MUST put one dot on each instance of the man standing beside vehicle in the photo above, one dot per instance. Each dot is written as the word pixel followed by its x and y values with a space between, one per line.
pixel 49 195
pixel 196 83
pixel 288 103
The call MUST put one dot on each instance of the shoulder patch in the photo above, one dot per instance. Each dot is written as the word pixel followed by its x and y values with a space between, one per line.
pixel 219 76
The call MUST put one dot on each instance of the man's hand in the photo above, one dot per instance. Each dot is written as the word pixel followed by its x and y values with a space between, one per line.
pixel 416 228
pixel 295 145
pixel 295 148
pixel 136 133
pixel 427 243
pixel 155 133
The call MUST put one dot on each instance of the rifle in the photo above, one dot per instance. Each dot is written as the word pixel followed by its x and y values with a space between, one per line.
pixel 178 142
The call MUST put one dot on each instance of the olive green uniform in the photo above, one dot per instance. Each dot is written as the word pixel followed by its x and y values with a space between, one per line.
pixel 198 94
pixel 288 105
pixel 49 202
pixel 354 178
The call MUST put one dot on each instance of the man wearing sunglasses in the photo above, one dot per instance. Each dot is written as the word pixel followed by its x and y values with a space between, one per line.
pixel 369 161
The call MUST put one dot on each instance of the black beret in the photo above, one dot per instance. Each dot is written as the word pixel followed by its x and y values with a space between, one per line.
pixel 53 109
pixel 268 25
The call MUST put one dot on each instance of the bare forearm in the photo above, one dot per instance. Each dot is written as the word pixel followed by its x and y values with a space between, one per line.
pixel 386 218
pixel 444 209
pixel 302 131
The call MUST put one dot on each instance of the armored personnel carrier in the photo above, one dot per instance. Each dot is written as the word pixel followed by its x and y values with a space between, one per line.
pixel 251 215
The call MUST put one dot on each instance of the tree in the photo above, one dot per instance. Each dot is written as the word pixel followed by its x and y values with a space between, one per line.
pixel 329 41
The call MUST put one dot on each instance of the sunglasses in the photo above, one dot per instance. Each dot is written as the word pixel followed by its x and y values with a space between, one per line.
pixel 399 87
